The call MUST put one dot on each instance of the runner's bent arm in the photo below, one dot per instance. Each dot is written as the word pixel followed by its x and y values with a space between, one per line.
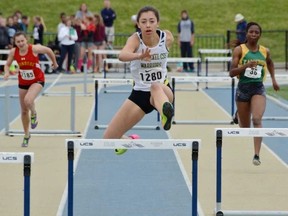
pixel 9 61
pixel 39 49
pixel 128 52
pixel 271 69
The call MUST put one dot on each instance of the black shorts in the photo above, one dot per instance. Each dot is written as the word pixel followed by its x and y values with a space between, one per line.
pixel 26 87
pixel 142 99
pixel 245 91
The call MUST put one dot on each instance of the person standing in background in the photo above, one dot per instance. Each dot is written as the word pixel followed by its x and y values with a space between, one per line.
pixel 240 27
pixel 67 37
pixel 38 30
pixel 99 41
pixel 83 12
pixel 186 39
pixel 108 16
pixel 25 23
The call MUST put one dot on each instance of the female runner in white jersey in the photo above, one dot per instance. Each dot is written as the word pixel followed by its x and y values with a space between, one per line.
pixel 147 51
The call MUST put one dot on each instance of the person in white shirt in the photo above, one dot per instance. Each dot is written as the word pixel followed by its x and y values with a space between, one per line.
pixel 67 37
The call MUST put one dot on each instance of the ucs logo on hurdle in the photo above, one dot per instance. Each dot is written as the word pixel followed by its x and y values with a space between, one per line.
pixel 9 158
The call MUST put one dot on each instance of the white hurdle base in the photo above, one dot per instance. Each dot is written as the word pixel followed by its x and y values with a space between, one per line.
pixel 251 213
pixel 137 127
pixel 45 133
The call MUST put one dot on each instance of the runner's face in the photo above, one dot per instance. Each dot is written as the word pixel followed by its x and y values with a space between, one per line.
pixel 148 23
pixel 253 33
pixel 20 41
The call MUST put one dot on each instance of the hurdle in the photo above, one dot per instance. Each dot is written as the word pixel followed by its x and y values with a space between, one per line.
pixel 26 158
pixel 223 52
pixel 177 79
pixel 116 82
pixel 241 132
pixel 217 59
pixel 115 61
pixel 187 60
pixel 154 144
pixel 107 52
pixel 84 93
pixel 71 132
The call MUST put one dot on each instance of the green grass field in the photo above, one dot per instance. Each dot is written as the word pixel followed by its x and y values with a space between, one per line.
pixel 209 16
pixel 283 93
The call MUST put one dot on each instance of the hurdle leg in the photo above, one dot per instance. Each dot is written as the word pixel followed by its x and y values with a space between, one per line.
pixel 27 174
pixel 195 149
pixel 70 151
pixel 6 110
pixel 218 172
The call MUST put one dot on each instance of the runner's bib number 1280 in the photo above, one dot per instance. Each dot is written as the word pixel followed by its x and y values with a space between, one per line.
pixel 150 75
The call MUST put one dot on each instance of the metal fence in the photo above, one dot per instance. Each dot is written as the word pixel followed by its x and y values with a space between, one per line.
pixel 275 40
pixel 210 41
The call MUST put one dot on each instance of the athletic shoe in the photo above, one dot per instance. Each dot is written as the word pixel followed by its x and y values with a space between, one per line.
pixel 25 141
pixel 235 118
pixel 34 121
pixel 167 115
pixel 256 160
pixel 122 151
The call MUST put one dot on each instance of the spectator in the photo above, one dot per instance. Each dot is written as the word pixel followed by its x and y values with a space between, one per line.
pixel 134 21
pixel 18 14
pixel 11 29
pixel 25 23
pixel 59 26
pixel 17 25
pixel 38 30
pixel 108 16
pixel 77 26
pixel 99 41
pixel 87 34
pixel 83 12
pixel 4 34
pixel 186 39
pixel 67 36
pixel 240 27
pixel 4 40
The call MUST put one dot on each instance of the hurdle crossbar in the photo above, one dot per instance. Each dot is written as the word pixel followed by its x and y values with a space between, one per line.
pixel 178 79
pixel 63 93
pixel 114 61
pixel 105 81
pixel 26 158
pixel 241 132
pixel 71 132
pixel 192 144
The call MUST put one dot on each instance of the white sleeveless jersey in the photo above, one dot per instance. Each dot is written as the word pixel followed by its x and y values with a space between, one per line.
pixel 144 73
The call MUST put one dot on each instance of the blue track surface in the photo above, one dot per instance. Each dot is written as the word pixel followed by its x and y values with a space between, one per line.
pixel 277 145
pixel 141 183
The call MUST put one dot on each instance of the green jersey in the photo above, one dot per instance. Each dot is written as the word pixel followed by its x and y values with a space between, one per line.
pixel 258 73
